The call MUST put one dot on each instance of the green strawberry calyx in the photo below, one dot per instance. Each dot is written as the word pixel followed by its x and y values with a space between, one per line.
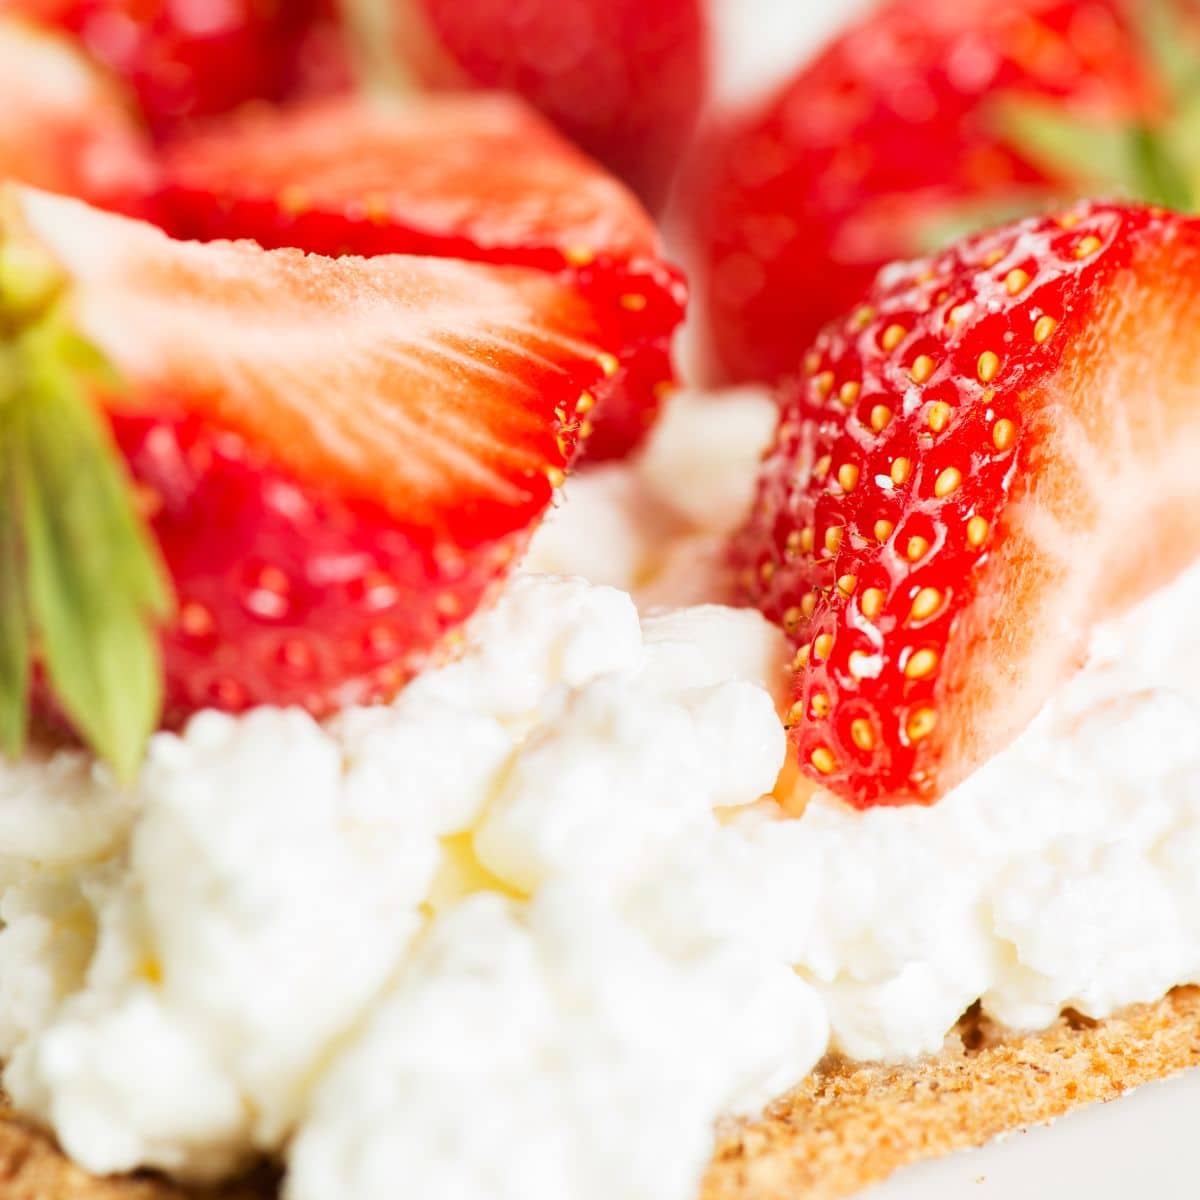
pixel 82 587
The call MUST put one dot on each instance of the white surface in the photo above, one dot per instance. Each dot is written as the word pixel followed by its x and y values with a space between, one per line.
pixel 1143 1145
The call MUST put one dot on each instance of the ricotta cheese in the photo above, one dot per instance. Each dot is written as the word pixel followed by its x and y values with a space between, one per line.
pixel 533 928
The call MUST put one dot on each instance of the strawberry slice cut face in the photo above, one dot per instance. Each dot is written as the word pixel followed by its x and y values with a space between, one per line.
pixel 339 458
pixel 64 124
pixel 469 177
pixel 992 453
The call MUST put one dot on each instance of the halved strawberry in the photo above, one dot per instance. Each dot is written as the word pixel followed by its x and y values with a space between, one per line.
pixel 474 177
pixel 65 125
pixel 993 452
pixel 185 61
pixel 338 458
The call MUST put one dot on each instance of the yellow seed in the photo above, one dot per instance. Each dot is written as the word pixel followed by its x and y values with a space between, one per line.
pixel 872 603
pixel 833 538
pixel 819 704
pixel 848 585
pixel 862 318
pixel 1088 246
pixel 921 664
pixel 586 429
pixel 977 531
pixel 792 546
pixel 767 571
pixel 917 548
pixel 901 470
pixel 958 314
pixel 1016 281
pixel 881 417
pixel 947 482
pixel 927 602
pixel 556 476
pixel 807 538
pixel 893 335
pixel 1069 220
pixel 883 530
pixel 812 360
pixel 939 416
pixel 608 364
pixel 586 403
pixel 921 723
pixel 1004 433
pixel 862 733
pixel 633 302
pixel 849 392
pixel 821 466
pixel 847 477
pixel 993 257
pixel 860 663
pixel 822 758
pixel 801 659
pixel 579 256
pixel 823 645
pixel 1044 328
pixel 989 366
pixel 795 714
pixel 792 618
pixel 808 603
pixel 824 383
pixel 923 367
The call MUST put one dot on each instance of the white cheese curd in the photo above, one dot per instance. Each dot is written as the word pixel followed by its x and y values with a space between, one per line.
pixel 532 929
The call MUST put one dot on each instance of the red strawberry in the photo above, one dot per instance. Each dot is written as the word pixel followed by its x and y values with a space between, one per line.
pixel 993 452
pixel 905 125
pixel 64 125
pixel 188 60
pixel 622 78
pixel 339 458
pixel 475 177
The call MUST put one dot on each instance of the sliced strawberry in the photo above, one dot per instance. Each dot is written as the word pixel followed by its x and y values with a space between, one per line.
pixel 190 60
pixel 474 177
pixel 339 458
pixel 900 134
pixel 64 124
pixel 624 79
pixel 993 452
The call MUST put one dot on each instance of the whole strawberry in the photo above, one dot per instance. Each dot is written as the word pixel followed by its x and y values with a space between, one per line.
pixel 992 452
pixel 924 120
pixel 335 461
pixel 624 79
pixel 479 177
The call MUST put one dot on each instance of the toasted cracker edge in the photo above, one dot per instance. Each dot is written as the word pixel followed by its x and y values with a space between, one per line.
pixel 847 1126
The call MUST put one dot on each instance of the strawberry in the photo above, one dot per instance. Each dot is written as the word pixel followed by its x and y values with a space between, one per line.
pixel 994 451
pixel 64 125
pixel 624 79
pixel 187 61
pixel 337 459
pixel 926 117
pixel 475 177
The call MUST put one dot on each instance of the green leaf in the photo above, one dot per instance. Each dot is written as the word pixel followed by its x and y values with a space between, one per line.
pixel 1169 47
pixel 15 646
pixel 95 588
pixel 1081 152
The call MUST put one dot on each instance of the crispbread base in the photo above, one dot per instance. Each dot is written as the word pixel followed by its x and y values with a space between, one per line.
pixel 847 1126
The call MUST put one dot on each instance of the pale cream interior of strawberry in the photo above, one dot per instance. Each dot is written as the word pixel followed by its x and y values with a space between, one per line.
pixel 545 899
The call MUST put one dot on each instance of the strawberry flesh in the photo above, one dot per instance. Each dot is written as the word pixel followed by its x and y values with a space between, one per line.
pixel 994 451
pixel 480 178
